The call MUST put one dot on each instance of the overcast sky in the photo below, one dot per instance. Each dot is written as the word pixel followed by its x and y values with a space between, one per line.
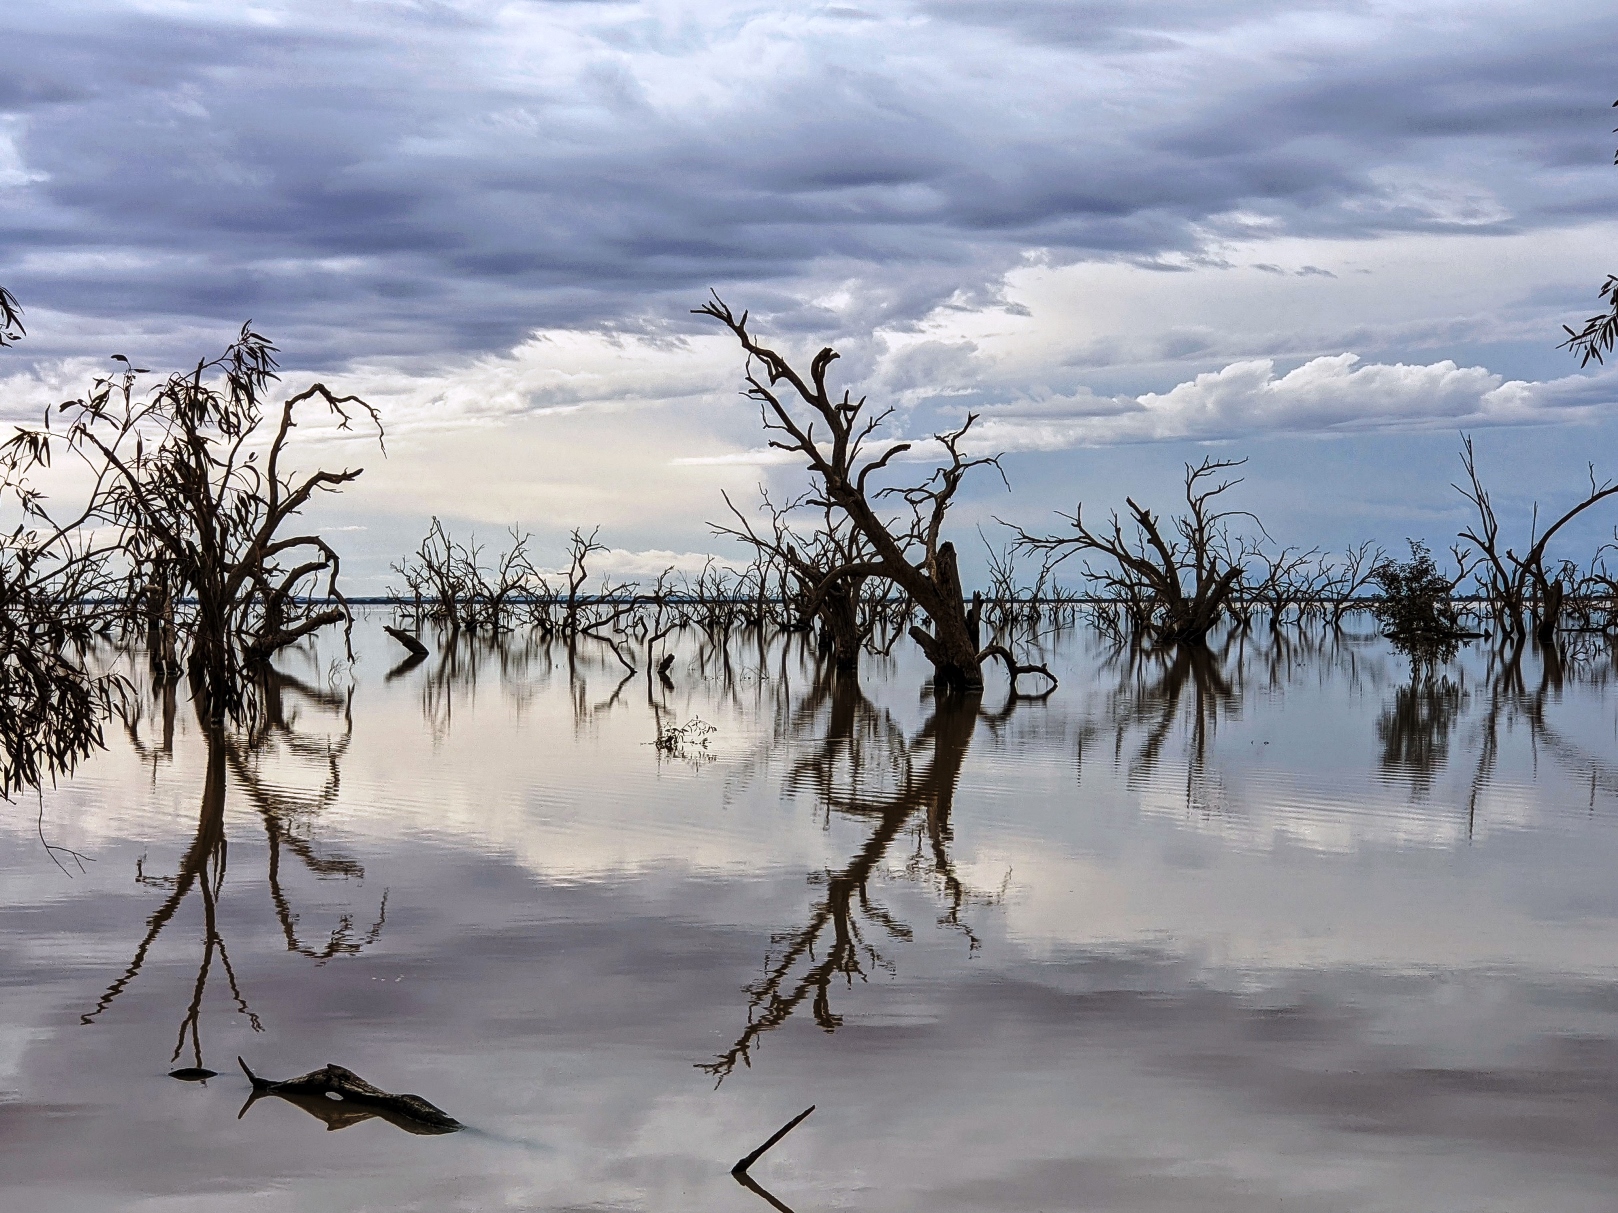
pixel 1325 235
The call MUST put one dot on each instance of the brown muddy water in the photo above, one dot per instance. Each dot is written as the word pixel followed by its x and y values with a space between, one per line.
pixel 1280 931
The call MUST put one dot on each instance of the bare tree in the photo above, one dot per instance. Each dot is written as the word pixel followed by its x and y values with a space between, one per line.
pixel 909 552
pixel 1290 577
pixel 1520 585
pixel 812 562
pixel 185 480
pixel 1344 580
pixel 1188 569
pixel 449 581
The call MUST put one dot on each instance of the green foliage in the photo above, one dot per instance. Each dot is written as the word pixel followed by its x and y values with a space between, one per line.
pixel 1416 609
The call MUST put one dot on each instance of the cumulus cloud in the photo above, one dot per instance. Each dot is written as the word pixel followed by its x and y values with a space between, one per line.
pixel 1337 394
pixel 1330 395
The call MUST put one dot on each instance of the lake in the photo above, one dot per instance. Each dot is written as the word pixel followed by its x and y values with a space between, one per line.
pixel 1276 928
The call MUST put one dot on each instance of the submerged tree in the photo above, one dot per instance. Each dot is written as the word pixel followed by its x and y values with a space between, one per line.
pixel 53 704
pixel 811 561
pixel 198 501
pixel 1182 573
pixel 1520 586
pixel 906 547
pixel 1417 608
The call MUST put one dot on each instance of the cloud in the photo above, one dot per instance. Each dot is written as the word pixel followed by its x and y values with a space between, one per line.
pixel 411 181
pixel 1337 394
pixel 1331 395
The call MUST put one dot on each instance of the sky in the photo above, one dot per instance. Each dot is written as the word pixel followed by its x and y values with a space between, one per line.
pixel 1328 237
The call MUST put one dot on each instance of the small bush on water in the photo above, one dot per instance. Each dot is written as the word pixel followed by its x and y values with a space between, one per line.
pixel 1416 609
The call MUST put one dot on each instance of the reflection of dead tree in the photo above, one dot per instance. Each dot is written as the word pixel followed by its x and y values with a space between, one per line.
pixel 865 768
pixel 203 865
pixel 283 811
pixel 1183 574
pixel 1151 696
pixel 203 868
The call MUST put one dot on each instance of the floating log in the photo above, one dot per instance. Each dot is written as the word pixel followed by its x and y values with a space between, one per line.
pixel 415 647
pixel 324 1093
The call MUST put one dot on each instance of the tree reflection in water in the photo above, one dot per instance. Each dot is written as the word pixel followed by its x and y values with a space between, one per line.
pixel 1510 700
pixel 286 815
pixel 864 767
pixel 1151 695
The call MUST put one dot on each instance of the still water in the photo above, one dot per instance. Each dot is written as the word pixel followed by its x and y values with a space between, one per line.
pixel 1274 930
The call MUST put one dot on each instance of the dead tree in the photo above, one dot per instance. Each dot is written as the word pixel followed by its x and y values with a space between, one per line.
pixel 908 552
pixel 1343 581
pixel 812 561
pixel 1290 577
pixel 1188 568
pixel 1520 587
pixel 451 583
pixel 287 817
pixel 197 494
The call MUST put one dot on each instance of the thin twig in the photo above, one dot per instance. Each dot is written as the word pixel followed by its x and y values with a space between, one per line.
pixel 51 847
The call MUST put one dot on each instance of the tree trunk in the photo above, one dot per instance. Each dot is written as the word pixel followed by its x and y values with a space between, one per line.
pixel 1550 613
pixel 951 646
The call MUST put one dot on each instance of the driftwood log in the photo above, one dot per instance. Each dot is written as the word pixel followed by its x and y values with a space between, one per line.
pixel 415 647
pixel 340 1097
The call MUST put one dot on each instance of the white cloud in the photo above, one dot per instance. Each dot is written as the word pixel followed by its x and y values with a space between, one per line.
pixel 1336 394
pixel 1333 394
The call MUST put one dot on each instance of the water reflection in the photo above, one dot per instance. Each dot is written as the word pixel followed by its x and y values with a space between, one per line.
pixel 1415 729
pixel 1326 976
pixel 1157 692
pixel 860 764
pixel 276 743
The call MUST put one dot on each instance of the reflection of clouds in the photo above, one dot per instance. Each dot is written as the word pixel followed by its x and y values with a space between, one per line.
pixel 1223 1009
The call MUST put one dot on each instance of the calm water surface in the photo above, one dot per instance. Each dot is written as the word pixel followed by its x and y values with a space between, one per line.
pixel 1277 930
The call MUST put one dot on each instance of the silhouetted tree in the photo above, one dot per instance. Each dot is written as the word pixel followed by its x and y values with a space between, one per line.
pixel 1596 336
pixel 909 551
pixel 199 501
pixel 1518 585
pixel 1181 574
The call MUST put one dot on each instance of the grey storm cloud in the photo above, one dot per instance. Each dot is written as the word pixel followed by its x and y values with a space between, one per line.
pixel 376 179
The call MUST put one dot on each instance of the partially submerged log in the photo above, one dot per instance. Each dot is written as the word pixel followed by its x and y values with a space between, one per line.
pixel 340 1097
pixel 414 646
pixel 743 1164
